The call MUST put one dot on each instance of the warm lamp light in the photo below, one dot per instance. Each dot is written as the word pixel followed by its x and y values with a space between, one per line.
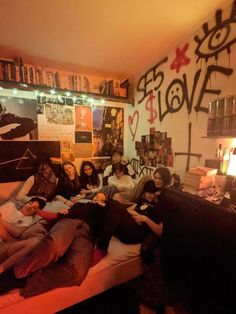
pixel 231 171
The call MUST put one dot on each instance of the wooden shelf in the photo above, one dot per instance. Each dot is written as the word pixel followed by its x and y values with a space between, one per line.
pixel 219 136
pixel 46 89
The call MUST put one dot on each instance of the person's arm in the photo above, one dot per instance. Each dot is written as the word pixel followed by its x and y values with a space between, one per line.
pixel 64 200
pixel 14 230
pixel 156 228
pixel 46 215
pixel 22 194
pixel 131 171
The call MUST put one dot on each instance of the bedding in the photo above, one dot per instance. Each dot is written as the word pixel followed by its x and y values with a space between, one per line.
pixel 121 264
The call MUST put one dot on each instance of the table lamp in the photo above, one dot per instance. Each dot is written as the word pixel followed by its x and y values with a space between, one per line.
pixel 231 173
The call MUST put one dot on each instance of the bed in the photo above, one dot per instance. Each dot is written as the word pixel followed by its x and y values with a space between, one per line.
pixel 121 264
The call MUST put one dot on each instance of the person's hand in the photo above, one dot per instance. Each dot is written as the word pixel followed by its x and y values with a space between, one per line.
pixel 131 208
pixel 139 219
pixel 64 211
pixel 124 162
pixel 89 187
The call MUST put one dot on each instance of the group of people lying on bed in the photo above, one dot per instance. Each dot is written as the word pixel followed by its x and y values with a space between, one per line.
pixel 60 253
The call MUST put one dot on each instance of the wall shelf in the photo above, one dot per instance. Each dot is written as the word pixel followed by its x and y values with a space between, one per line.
pixel 219 136
pixel 46 89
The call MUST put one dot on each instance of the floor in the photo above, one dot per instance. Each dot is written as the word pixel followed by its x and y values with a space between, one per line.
pixel 119 300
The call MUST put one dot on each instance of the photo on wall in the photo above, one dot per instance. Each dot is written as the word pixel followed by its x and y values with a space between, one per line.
pixel 18 159
pixel 18 119
pixel 55 122
pixel 108 130
pixel 155 149
pixel 83 118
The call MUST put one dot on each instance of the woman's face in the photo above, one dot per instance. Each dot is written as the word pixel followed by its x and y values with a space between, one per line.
pixel 69 170
pixel 150 197
pixel 116 157
pixel 119 174
pixel 45 170
pixel 88 170
pixel 158 180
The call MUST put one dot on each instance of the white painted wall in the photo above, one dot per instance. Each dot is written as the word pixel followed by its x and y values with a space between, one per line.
pixel 176 124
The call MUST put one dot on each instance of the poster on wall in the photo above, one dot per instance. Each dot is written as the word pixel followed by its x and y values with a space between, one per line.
pixel 83 118
pixel 18 119
pixel 67 152
pixel 17 159
pixel 83 150
pixel 55 122
pixel 108 130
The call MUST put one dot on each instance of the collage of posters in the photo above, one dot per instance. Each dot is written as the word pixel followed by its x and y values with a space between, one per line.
pixel 78 131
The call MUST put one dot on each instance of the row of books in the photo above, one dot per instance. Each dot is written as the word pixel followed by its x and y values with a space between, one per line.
pixel 17 71
pixel 199 178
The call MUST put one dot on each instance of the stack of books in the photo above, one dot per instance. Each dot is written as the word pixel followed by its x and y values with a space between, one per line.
pixel 199 178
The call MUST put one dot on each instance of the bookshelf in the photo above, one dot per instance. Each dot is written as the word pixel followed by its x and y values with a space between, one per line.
pixel 29 77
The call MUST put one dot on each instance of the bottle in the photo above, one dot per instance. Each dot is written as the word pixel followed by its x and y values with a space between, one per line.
pixel 219 153
pixel 225 162
pixel 211 118
pixel 219 116
pixel 228 112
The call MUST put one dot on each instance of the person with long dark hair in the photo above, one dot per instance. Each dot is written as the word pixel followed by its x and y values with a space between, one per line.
pixel 90 182
pixel 42 183
pixel 69 186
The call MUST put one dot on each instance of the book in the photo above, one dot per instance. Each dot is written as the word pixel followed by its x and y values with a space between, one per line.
pixel 203 171
pixel 199 182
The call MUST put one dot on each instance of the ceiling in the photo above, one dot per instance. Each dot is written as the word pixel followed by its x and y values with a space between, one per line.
pixel 122 38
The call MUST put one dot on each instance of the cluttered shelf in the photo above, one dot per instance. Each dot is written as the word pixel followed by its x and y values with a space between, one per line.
pixel 219 136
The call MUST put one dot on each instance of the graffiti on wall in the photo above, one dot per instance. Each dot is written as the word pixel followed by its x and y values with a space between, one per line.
pixel 180 92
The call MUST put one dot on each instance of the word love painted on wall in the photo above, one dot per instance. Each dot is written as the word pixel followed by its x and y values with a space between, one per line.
pixel 133 123
pixel 180 91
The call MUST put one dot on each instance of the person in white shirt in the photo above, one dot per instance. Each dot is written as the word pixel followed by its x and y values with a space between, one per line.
pixel 13 223
pixel 123 182
pixel 117 157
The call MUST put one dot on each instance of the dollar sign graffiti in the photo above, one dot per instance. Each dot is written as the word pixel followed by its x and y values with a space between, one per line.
pixel 150 108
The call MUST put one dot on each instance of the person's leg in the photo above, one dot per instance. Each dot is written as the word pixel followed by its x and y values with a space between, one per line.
pixel 17 251
pixel 50 249
pixel 70 270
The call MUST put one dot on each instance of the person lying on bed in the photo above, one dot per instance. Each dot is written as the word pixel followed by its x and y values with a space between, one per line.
pixel 13 223
pixel 131 225
pixel 67 250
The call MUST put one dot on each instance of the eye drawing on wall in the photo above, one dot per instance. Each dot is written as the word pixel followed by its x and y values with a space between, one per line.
pixel 218 38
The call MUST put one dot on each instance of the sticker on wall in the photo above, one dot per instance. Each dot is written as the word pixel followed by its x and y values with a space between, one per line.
pixel 83 150
pixel 108 130
pixel 18 119
pixel 17 159
pixel 83 118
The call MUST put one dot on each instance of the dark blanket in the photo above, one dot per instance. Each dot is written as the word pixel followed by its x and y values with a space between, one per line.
pixel 199 252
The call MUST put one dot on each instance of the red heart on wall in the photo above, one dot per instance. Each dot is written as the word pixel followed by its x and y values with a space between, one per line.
pixel 133 123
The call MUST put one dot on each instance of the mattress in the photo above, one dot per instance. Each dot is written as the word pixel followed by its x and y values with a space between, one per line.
pixel 121 264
